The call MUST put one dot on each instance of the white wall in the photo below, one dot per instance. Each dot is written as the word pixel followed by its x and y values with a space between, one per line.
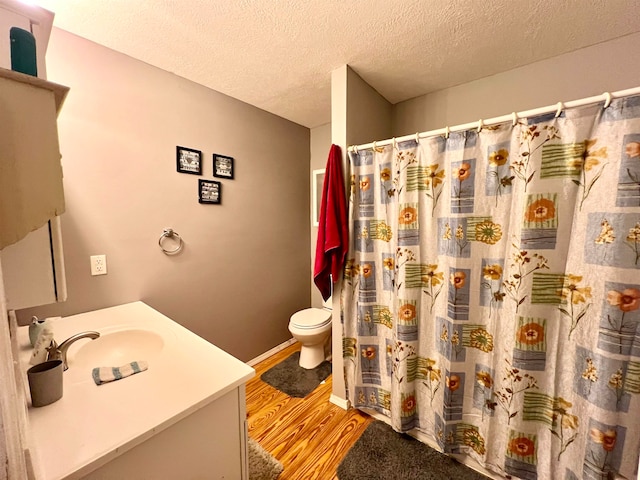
pixel 608 66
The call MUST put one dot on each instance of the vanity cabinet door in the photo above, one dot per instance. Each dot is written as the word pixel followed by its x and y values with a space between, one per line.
pixel 210 443
pixel 34 268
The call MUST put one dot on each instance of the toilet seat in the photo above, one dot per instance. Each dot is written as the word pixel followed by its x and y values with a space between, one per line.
pixel 311 318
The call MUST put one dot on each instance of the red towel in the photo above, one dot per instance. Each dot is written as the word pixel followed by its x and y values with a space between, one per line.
pixel 333 232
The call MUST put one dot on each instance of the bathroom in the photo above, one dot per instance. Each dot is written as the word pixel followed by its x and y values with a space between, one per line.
pixel 247 263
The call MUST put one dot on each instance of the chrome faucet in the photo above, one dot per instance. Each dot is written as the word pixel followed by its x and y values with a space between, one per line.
pixel 59 352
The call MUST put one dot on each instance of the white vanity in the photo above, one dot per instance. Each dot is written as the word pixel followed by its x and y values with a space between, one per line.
pixel 183 418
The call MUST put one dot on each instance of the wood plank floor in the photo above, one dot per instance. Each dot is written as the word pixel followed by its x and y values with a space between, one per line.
pixel 309 436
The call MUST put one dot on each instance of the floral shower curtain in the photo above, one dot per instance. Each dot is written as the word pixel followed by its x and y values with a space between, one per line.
pixel 491 297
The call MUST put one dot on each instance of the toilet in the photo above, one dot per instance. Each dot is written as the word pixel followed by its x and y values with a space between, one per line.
pixel 312 328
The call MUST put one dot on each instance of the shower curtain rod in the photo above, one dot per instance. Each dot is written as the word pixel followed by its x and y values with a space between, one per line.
pixel 558 107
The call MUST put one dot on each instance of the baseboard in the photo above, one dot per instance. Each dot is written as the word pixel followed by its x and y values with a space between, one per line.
pixel 340 402
pixel 271 352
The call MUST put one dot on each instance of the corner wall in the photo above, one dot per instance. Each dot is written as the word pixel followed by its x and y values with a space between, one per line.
pixel 245 265
pixel 359 115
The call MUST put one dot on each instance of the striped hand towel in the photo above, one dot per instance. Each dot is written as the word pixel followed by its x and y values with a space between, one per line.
pixel 109 374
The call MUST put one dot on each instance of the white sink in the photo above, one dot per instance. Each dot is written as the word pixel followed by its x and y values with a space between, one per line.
pixel 115 349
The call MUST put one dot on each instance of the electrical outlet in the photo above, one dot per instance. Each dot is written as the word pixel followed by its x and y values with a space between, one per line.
pixel 98 264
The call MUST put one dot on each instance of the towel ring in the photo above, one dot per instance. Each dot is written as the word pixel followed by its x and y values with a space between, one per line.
pixel 559 110
pixel 170 233
pixel 607 97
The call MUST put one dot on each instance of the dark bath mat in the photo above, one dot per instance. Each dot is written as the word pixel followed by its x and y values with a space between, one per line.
pixel 262 465
pixel 383 454
pixel 289 377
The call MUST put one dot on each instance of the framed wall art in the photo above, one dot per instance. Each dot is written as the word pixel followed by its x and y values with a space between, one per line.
pixel 222 166
pixel 209 191
pixel 188 160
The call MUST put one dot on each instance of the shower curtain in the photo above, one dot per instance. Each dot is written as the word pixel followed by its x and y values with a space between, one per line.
pixel 491 297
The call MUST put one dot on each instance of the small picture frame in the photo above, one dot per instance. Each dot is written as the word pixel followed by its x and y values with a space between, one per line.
pixel 222 166
pixel 188 160
pixel 209 191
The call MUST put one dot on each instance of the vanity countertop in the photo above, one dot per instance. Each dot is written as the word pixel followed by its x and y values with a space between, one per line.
pixel 91 425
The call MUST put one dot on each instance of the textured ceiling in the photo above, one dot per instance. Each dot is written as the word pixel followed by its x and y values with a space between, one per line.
pixel 278 54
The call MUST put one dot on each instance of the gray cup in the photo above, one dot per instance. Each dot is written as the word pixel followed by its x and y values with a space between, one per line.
pixel 45 382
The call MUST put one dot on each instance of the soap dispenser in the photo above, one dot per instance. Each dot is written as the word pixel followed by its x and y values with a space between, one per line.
pixel 35 328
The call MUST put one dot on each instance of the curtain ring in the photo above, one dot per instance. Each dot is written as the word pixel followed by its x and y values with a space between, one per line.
pixel 355 149
pixel 446 131
pixel 607 99
pixel 375 145
pixel 559 110
pixel 514 119
pixel 418 137
pixel 170 233
pixel 395 143
pixel 480 125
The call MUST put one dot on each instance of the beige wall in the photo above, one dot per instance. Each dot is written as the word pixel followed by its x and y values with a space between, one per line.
pixel 368 113
pixel 320 146
pixel 245 267
pixel 608 66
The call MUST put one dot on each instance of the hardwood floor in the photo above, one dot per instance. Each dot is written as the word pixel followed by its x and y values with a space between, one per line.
pixel 309 436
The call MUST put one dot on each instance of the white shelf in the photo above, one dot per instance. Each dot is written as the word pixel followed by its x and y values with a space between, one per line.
pixel 59 91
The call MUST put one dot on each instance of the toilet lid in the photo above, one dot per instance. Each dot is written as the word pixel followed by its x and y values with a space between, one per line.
pixel 311 318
